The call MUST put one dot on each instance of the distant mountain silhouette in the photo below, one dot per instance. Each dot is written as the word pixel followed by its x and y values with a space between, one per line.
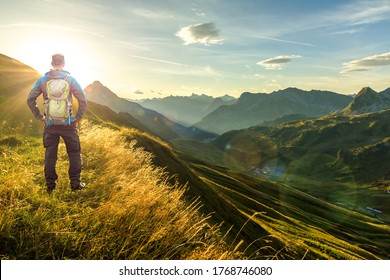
pixel 253 109
pixel 156 122
pixel 186 110
pixel 368 101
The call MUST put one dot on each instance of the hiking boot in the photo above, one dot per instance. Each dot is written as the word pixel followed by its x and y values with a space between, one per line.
pixel 50 188
pixel 76 186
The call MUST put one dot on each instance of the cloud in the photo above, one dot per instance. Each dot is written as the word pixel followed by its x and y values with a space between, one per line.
pixel 283 41
pixel 57 28
pixel 199 12
pixel 365 12
pixel 158 60
pixel 135 90
pixel 150 14
pixel 367 63
pixel 353 16
pixel 348 31
pixel 206 71
pixel 202 33
pixel 157 92
pixel 277 62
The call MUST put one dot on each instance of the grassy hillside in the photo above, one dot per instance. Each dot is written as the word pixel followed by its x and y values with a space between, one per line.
pixel 286 223
pixel 16 80
pixel 342 160
pixel 128 211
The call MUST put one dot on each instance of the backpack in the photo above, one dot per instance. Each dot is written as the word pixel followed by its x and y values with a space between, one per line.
pixel 58 105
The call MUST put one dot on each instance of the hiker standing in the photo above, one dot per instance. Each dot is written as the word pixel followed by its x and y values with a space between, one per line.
pixel 58 87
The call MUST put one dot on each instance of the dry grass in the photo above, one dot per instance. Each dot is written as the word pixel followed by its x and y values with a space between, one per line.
pixel 128 211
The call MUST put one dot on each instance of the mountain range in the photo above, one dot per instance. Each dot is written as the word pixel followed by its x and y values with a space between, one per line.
pixel 301 189
pixel 154 121
pixel 186 110
pixel 252 109
pixel 331 147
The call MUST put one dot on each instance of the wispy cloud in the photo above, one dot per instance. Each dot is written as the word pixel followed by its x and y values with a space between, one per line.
pixel 348 31
pixel 366 63
pixel 202 33
pixel 206 72
pixel 150 14
pixel 157 92
pixel 365 12
pixel 343 18
pixel 159 60
pixel 277 62
pixel 131 45
pixel 199 12
pixel 58 28
pixel 352 15
pixel 283 41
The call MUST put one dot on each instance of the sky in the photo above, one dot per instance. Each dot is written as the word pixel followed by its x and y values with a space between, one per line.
pixel 156 48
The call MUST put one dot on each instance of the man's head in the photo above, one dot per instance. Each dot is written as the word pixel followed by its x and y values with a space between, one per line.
pixel 57 61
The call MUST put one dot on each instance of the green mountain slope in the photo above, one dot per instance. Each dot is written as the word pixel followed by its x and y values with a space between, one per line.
pixel 344 140
pixel 340 159
pixel 291 224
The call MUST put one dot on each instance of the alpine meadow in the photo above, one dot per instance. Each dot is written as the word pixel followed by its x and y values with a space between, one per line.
pixel 313 184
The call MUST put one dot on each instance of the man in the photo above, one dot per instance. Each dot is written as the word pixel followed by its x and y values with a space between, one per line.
pixel 59 123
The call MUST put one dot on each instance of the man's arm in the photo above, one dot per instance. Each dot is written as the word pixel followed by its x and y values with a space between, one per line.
pixel 78 92
pixel 32 100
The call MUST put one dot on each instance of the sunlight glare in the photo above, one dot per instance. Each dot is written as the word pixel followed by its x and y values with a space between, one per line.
pixel 79 61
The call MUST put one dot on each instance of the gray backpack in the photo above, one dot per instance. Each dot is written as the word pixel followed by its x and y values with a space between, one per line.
pixel 58 105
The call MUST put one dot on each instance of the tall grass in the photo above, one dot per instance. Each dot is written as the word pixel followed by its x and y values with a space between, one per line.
pixel 128 210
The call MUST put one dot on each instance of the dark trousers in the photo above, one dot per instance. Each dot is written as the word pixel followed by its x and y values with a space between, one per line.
pixel 51 139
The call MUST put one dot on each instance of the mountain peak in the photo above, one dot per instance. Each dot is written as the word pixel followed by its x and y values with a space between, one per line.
pixel 227 97
pixel 98 90
pixel 97 84
pixel 365 91
pixel 367 101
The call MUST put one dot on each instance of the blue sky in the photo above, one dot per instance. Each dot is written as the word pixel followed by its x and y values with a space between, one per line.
pixel 144 49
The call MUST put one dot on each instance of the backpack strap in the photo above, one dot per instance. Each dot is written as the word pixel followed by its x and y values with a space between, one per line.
pixel 70 99
pixel 67 79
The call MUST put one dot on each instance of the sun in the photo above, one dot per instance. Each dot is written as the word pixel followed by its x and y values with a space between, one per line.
pixel 80 61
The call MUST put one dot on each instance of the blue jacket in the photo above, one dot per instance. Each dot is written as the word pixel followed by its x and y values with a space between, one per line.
pixel 40 88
